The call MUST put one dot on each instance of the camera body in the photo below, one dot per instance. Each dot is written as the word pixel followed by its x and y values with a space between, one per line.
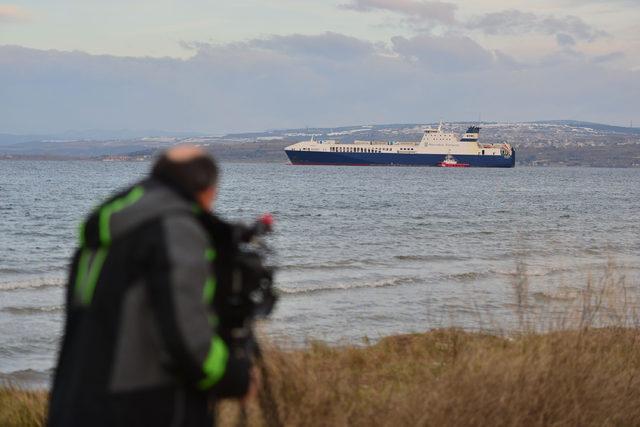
pixel 244 289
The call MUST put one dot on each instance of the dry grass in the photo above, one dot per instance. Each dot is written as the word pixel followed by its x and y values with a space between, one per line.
pixel 21 408
pixel 440 378
pixel 585 371
pixel 453 378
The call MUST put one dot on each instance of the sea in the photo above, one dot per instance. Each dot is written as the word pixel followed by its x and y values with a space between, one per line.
pixel 361 252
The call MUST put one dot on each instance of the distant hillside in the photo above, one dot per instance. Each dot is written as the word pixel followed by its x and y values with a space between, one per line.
pixel 595 126
pixel 553 142
pixel 91 135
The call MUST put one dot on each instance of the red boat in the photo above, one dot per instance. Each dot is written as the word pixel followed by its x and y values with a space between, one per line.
pixel 450 162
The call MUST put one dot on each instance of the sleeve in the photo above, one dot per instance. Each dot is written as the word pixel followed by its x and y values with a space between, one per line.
pixel 180 279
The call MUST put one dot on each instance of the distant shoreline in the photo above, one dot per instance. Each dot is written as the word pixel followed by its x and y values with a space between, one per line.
pixel 544 162
pixel 550 143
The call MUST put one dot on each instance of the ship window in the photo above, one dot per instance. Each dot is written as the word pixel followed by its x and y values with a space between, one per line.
pixel 483 152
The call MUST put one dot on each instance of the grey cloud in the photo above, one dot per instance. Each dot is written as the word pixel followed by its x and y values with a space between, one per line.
pixel 609 57
pixel 565 39
pixel 247 86
pixel 451 54
pixel 328 45
pixel 511 22
pixel 413 10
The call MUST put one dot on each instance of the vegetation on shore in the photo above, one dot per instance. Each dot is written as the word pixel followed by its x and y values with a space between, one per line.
pixel 583 372
pixel 453 378
pixel 442 377
pixel 21 407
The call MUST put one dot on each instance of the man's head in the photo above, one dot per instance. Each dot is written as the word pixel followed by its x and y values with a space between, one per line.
pixel 190 169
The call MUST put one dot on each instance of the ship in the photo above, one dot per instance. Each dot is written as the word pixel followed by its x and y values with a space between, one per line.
pixel 435 147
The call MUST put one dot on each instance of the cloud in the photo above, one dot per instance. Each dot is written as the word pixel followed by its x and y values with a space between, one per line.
pixel 565 40
pixel 275 83
pixel 608 57
pixel 11 13
pixel 444 53
pixel 513 22
pixel 412 10
pixel 328 45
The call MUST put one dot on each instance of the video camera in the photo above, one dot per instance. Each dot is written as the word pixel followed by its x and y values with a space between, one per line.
pixel 244 293
pixel 244 290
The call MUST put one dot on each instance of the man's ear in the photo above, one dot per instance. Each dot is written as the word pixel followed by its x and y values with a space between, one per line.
pixel 207 197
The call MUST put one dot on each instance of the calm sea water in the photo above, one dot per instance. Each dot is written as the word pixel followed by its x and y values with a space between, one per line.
pixel 362 251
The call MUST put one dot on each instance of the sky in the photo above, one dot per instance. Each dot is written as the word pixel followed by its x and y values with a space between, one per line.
pixel 218 67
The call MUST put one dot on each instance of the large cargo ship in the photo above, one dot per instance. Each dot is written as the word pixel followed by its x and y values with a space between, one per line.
pixel 436 148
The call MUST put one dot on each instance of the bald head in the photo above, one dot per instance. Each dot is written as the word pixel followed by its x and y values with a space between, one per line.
pixel 189 169
pixel 184 153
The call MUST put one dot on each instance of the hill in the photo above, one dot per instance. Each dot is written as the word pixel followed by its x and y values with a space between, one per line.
pixel 547 143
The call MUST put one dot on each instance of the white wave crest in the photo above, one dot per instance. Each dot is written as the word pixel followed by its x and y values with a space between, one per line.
pixel 383 283
pixel 34 283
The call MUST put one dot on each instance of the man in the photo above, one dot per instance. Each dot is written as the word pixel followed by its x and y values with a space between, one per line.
pixel 140 346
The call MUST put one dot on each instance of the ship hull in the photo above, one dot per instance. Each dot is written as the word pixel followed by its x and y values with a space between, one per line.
pixel 394 159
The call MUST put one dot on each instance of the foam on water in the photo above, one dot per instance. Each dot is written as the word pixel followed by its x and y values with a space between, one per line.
pixel 336 287
pixel 32 283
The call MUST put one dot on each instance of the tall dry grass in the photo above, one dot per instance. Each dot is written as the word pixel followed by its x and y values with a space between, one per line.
pixel 576 364
pixel 21 407
pixel 454 378
pixel 582 369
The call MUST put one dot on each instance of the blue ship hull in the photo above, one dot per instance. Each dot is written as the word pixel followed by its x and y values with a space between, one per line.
pixel 394 159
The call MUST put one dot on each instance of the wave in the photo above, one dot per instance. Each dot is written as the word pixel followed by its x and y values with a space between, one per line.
pixel 28 310
pixel 330 265
pixel 536 272
pixel 384 283
pixel 428 258
pixel 37 269
pixel 32 284
pixel 10 270
pixel 468 276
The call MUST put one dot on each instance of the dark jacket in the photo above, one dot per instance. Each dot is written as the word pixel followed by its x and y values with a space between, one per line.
pixel 140 346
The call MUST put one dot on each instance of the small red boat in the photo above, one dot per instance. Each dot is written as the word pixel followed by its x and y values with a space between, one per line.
pixel 450 162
